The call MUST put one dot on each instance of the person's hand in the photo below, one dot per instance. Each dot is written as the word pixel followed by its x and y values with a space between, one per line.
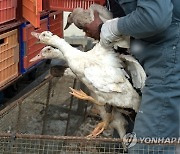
pixel 109 32
pixel 93 29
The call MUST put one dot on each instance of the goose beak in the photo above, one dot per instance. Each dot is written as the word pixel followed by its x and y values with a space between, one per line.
pixel 37 42
pixel 67 25
pixel 38 57
pixel 36 35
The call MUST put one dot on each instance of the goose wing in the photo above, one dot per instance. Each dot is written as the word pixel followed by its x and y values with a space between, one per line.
pixel 122 42
pixel 105 79
pixel 136 71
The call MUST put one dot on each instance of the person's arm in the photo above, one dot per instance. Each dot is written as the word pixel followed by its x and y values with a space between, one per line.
pixel 149 18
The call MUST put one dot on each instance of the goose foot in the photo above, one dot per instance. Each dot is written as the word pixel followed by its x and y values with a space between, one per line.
pixel 82 95
pixel 102 125
pixel 99 129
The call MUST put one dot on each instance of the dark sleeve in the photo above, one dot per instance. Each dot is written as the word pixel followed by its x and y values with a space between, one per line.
pixel 115 8
pixel 149 18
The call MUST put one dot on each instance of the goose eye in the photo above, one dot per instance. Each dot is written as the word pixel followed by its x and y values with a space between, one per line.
pixel 48 50
pixel 44 35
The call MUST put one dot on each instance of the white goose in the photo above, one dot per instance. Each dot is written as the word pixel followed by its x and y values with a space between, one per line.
pixel 113 118
pixel 102 71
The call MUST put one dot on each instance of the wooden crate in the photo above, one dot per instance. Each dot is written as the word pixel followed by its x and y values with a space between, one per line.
pixel 29 46
pixel 31 10
pixel 7 10
pixel 56 23
pixel 69 5
pixel 9 56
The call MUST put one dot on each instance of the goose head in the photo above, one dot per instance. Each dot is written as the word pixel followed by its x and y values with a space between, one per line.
pixel 44 37
pixel 70 18
pixel 47 52
pixel 69 21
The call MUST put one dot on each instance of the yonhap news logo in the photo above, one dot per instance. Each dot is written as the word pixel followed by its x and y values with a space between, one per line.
pixel 130 140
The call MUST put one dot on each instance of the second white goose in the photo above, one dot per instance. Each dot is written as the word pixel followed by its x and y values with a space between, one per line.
pixel 102 71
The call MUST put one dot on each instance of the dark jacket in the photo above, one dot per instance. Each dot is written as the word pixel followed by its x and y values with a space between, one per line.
pixel 155 25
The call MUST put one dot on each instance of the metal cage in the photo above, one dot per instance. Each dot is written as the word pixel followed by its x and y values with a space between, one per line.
pixel 26 125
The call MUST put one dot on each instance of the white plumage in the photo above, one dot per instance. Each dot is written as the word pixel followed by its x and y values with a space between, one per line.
pixel 102 71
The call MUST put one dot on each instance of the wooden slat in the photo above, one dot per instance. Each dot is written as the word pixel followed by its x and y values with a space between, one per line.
pixel 32 10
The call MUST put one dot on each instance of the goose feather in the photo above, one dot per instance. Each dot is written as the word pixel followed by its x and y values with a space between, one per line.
pixel 102 71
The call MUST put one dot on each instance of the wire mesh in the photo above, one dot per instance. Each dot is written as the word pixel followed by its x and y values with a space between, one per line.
pixel 60 146
pixel 73 145
pixel 36 125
